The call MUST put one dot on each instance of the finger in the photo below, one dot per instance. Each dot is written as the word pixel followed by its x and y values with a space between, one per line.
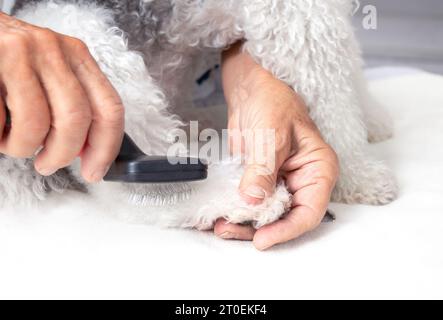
pixel 70 108
pixel 261 170
pixel 310 206
pixel 296 223
pixel 29 112
pixel 256 184
pixel 106 132
pixel 229 231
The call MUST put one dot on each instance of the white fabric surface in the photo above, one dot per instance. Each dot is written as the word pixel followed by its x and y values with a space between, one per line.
pixel 72 248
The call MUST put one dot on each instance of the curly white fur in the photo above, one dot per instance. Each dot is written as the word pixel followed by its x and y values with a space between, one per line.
pixel 150 54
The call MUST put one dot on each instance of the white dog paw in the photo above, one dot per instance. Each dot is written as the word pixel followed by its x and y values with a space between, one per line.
pixel 379 123
pixel 372 184
pixel 271 210
pixel 379 131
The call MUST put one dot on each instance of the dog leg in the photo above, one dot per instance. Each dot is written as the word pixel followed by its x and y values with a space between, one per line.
pixel 378 121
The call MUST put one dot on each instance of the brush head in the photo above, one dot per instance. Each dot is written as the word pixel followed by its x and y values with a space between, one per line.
pixel 156 169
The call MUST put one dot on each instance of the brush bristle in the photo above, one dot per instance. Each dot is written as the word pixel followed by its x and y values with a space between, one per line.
pixel 160 194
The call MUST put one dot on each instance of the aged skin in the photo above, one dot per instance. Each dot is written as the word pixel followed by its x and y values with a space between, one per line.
pixel 308 164
pixel 56 75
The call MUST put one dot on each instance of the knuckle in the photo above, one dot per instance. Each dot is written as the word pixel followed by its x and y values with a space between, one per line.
pixel 80 116
pixel 74 118
pixel 18 41
pixel 113 112
pixel 23 72
pixel 52 54
pixel 81 54
pixel 45 36
pixel 80 49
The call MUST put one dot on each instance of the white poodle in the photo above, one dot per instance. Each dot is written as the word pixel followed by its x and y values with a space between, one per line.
pixel 150 50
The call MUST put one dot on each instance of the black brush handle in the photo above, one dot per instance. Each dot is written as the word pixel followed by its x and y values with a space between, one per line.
pixel 129 150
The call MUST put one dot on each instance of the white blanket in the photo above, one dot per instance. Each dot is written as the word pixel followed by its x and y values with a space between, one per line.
pixel 72 248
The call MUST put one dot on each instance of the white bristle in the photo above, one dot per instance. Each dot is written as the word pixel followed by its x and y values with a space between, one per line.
pixel 160 194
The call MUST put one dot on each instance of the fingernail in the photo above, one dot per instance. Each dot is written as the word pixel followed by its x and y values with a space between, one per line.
pixel 47 171
pixel 227 235
pixel 99 174
pixel 255 192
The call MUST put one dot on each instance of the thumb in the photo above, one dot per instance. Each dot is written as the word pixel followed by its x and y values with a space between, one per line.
pixel 257 183
pixel 261 171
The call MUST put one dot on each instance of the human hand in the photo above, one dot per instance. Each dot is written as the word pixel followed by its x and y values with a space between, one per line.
pixel 257 101
pixel 58 99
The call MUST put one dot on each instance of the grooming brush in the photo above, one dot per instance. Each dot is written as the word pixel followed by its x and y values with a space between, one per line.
pixel 155 180
pixel 134 166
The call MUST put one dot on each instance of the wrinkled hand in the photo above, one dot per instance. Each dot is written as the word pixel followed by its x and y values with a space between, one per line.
pixel 256 100
pixel 58 99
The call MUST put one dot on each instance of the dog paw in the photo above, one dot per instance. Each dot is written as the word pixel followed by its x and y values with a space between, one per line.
pixel 379 131
pixel 372 184
pixel 272 209
pixel 378 121
pixel 235 210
